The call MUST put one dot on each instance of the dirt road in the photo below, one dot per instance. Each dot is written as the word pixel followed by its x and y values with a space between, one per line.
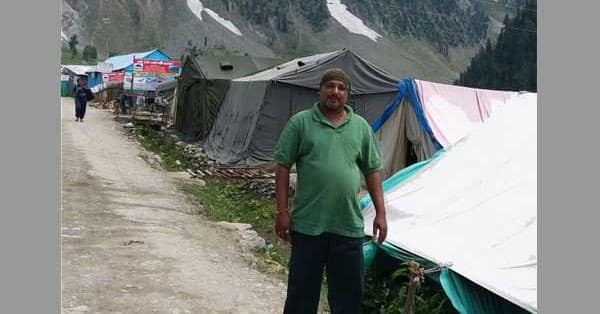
pixel 129 241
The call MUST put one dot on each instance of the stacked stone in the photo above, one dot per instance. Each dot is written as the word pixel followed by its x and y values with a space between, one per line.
pixel 196 154
pixel 265 188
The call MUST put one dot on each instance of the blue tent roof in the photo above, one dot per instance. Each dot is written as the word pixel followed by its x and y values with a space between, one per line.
pixel 407 89
pixel 123 61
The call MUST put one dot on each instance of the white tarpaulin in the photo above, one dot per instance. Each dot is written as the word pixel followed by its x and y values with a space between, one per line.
pixel 475 206
pixel 453 111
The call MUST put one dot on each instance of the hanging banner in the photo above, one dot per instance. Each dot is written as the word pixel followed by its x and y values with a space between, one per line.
pixel 156 66
pixel 147 74
pixel 115 77
pixel 127 81
pixel 145 82
pixel 166 78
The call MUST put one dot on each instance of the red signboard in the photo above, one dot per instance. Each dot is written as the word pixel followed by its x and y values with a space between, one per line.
pixel 113 77
pixel 156 66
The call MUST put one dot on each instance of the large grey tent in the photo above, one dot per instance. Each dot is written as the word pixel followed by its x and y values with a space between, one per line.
pixel 202 86
pixel 257 107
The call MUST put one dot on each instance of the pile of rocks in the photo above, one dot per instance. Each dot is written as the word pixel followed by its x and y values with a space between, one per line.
pixel 154 160
pixel 251 243
pixel 266 188
pixel 263 188
pixel 196 155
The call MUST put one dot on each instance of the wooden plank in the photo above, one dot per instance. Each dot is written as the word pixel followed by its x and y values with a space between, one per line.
pixel 190 172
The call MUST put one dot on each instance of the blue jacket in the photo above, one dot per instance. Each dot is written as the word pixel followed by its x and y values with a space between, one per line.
pixel 80 93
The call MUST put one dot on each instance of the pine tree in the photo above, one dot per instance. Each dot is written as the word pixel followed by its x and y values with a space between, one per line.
pixel 73 45
pixel 510 64
pixel 89 53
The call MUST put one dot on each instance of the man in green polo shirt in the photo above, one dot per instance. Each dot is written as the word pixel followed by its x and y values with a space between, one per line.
pixel 331 147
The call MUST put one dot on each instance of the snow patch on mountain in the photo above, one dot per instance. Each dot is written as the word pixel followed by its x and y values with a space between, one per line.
pixel 352 23
pixel 228 24
pixel 197 8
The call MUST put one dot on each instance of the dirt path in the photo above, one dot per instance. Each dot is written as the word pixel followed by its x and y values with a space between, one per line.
pixel 129 242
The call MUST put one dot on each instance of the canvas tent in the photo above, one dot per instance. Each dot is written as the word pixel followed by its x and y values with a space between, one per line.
pixel 203 83
pixel 472 208
pixel 257 107
pixel 425 117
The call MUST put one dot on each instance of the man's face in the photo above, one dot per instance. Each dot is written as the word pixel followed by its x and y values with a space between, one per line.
pixel 333 94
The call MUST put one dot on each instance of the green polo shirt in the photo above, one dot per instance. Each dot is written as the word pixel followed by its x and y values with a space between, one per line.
pixel 329 161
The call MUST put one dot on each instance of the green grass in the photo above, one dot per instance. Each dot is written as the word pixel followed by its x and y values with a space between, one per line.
pixel 228 201
pixel 386 285
pixel 156 141
pixel 385 295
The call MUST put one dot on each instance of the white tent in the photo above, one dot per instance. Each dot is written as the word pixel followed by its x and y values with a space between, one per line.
pixel 474 207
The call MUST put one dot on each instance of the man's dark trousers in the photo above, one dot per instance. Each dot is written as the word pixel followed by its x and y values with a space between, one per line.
pixel 80 105
pixel 342 259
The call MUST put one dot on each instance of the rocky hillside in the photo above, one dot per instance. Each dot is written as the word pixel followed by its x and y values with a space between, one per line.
pixel 428 39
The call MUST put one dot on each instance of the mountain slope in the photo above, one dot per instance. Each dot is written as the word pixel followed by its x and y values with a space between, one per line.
pixel 428 39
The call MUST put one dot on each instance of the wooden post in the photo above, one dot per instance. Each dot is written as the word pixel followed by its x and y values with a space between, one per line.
pixel 416 277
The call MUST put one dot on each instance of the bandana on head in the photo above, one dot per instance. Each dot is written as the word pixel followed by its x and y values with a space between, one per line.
pixel 336 74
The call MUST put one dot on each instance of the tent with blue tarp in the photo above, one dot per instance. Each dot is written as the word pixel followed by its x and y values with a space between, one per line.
pixel 425 117
pixel 472 209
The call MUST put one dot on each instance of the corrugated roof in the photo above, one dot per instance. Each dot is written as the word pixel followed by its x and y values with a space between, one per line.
pixel 123 61
pixel 80 69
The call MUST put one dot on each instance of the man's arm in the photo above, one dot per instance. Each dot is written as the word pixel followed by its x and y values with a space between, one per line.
pixel 373 181
pixel 282 218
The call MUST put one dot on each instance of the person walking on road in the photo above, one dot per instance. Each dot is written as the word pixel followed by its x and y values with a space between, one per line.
pixel 331 147
pixel 81 94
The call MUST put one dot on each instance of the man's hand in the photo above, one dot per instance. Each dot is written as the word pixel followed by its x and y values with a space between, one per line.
pixel 375 190
pixel 282 219
pixel 379 228
pixel 282 225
